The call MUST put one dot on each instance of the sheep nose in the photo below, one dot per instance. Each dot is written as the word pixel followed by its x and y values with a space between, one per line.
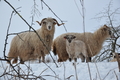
pixel 49 27
pixel 69 41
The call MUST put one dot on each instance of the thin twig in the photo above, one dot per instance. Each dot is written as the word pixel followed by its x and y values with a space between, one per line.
pixel 116 76
pixel 54 13
pixel 50 69
pixel 7 35
pixel 108 73
pixel 69 77
pixel 89 71
pixel 74 64
pixel 52 76
pixel 64 70
pixel 43 71
pixel 97 71
pixel 78 8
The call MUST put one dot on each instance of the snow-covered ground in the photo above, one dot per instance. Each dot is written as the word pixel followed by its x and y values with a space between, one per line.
pixel 66 70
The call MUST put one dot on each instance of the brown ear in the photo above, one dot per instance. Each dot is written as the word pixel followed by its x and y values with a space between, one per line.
pixel 74 37
pixel 105 27
pixel 65 37
pixel 57 22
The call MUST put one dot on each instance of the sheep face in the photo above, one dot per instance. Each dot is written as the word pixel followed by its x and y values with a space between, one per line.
pixel 49 23
pixel 69 38
pixel 108 31
pixel 114 56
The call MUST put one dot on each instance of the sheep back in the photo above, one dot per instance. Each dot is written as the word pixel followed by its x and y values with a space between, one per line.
pixel 93 42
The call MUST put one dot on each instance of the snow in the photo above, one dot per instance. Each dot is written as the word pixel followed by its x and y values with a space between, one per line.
pixel 103 71
pixel 106 70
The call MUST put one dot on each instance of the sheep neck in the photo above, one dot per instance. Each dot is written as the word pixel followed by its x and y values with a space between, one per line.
pixel 45 34
pixel 69 44
pixel 70 47
pixel 100 36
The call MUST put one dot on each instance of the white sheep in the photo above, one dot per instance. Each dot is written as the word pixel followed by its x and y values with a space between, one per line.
pixel 75 48
pixel 28 45
pixel 93 42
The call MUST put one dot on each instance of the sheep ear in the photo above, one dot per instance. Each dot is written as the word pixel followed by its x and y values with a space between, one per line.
pixel 74 37
pixel 57 22
pixel 41 21
pixel 105 27
pixel 65 37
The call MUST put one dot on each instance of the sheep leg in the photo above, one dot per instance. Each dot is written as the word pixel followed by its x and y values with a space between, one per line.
pixel 88 59
pixel 40 59
pixel 11 56
pixel 75 59
pixel 43 59
pixel 21 61
pixel 60 60
pixel 76 55
pixel 82 57
pixel 43 56
pixel 15 60
pixel 70 59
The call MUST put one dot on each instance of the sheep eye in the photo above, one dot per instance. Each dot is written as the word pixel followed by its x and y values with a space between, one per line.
pixel 44 22
pixel 110 32
pixel 54 22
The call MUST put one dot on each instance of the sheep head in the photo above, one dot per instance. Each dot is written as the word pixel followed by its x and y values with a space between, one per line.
pixel 69 38
pixel 108 30
pixel 49 23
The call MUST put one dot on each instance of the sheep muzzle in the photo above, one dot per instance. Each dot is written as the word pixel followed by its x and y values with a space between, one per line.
pixel 69 41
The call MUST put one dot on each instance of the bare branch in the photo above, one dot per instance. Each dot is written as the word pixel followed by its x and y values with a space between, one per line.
pixel 7 35
pixel 54 14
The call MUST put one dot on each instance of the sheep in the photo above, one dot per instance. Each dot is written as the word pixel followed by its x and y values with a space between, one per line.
pixel 93 42
pixel 75 48
pixel 114 57
pixel 28 45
